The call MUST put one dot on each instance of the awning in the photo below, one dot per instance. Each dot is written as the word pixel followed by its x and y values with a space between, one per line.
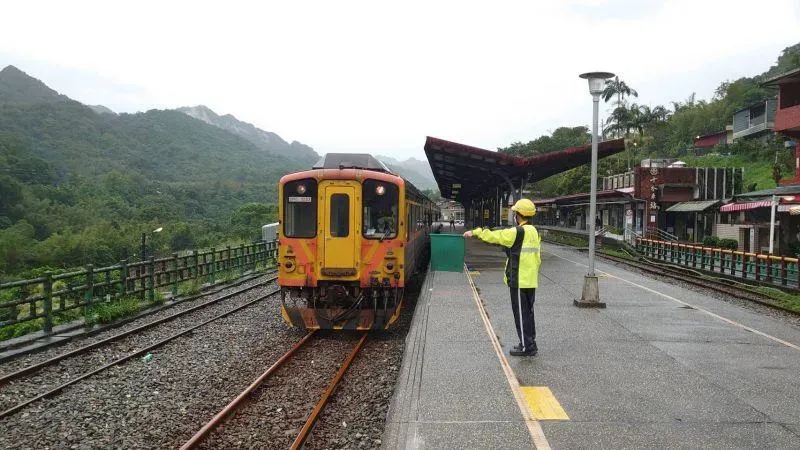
pixel 731 207
pixel 788 190
pixel 697 206
pixel 789 207
pixel 466 173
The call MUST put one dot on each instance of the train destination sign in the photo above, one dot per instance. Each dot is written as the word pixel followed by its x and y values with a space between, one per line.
pixel 299 199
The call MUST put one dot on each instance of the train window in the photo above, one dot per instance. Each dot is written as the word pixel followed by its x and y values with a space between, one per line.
pixel 381 204
pixel 340 215
pixel 300 208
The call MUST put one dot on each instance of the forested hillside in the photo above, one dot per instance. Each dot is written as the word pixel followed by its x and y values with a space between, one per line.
pixel 417 172
pixel 265 140
pixel 668 131
pixel 77 186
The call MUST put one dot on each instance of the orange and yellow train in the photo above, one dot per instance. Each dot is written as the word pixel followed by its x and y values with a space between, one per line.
pixel 351 236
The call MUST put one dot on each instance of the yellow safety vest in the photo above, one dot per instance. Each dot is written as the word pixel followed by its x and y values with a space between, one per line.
pixel 524 258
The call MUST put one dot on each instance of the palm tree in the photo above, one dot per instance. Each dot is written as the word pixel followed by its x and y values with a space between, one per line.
pixel 618 88
pixel 660 113
pixel 621 121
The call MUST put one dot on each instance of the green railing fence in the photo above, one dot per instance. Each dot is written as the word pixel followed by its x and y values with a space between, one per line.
pixel 53 296
pixel 777 270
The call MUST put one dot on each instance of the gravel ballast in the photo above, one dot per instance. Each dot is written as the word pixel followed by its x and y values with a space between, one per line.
pixel 49 377
pixel 161 402
pixel 21 361
pixel 274 414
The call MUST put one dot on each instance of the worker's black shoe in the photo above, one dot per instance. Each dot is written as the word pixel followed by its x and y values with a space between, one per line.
pixel 518 351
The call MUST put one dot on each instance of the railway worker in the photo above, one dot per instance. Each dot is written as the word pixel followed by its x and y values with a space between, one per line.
pixel 522 245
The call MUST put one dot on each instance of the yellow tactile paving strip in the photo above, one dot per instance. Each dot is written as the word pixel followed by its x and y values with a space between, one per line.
pixel 543 403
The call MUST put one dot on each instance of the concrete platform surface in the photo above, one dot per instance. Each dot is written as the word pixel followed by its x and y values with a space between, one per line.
pixel 661 367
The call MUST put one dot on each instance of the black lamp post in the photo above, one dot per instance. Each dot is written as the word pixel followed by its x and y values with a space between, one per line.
pixel 143 254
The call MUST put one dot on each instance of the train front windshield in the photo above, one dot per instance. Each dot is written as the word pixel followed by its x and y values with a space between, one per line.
pixel 381 203
pixel 300 209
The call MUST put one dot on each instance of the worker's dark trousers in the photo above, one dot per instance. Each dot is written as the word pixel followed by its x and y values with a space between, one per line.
pixel 523 299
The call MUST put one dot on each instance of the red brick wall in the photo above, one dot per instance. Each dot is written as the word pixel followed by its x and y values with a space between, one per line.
pixel 668 175
pixel 787 118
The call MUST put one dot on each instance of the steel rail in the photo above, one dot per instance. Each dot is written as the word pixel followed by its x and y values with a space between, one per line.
pixel 678 274
pixel 61 387
pixel 36 367
pixel 312 418
pixel 236 402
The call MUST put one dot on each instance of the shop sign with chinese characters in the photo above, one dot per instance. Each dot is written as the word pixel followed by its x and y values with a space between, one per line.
pixel 653 204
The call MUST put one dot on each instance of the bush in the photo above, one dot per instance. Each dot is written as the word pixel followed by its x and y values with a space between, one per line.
pixel 190 287
pixel 20 329
pixel 713 241
pixel 111 311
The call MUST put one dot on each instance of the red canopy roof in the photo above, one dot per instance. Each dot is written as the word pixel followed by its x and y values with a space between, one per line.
pixel 464 172
pixel 731 207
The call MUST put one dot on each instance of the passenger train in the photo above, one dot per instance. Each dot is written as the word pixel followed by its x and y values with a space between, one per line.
pixel 352 235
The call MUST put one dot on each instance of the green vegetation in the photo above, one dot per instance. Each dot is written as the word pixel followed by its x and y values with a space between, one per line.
pixel 20 329
pixel 783 299
pixel 558 237
pixel 191 287
pixel 713 241
pixel 78 187
pixel 669 131
pixel 108 312
pixel 618 252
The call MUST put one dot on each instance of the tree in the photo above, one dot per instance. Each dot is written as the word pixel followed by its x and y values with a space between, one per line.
pixel 776 173
pixel 560 139
pixel 621 121
pixel 620 89
pixel 248 219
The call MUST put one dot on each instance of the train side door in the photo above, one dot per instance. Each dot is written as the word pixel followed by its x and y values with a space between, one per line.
pixel 340 233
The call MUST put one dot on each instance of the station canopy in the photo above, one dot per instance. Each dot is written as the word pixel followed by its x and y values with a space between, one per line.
pixel 464 173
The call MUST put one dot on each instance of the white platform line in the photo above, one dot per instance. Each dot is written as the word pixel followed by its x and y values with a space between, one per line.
pixel 534 428
pixel 717 316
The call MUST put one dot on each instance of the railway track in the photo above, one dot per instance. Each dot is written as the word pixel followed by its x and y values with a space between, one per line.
pixel 20 375
pixel 725 286
pixel 201 438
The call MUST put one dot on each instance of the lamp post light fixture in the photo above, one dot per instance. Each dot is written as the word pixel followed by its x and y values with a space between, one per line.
pixel 590 297
pixel 143 255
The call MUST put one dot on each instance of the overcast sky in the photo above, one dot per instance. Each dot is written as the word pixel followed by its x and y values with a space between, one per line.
pixel 377 76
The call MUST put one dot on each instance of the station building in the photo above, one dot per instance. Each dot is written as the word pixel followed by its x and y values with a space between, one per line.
pixel 661 198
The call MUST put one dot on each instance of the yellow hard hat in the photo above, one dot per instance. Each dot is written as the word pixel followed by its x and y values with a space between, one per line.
pixel 525 207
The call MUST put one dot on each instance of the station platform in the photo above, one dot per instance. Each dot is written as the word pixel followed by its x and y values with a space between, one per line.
pixel 661 367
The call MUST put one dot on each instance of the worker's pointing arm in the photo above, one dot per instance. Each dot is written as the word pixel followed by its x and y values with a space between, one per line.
pixel 504 237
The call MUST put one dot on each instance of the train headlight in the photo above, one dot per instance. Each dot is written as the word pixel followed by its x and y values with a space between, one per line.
pixel 389 264
pixel 289 265
pixel 380 190
pixel 301 189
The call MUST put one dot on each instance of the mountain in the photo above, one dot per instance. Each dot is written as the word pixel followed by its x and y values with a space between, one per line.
pixel 18 87
pixel 79 185
pixel 417 172
pixel 100 109
pixel 265 140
